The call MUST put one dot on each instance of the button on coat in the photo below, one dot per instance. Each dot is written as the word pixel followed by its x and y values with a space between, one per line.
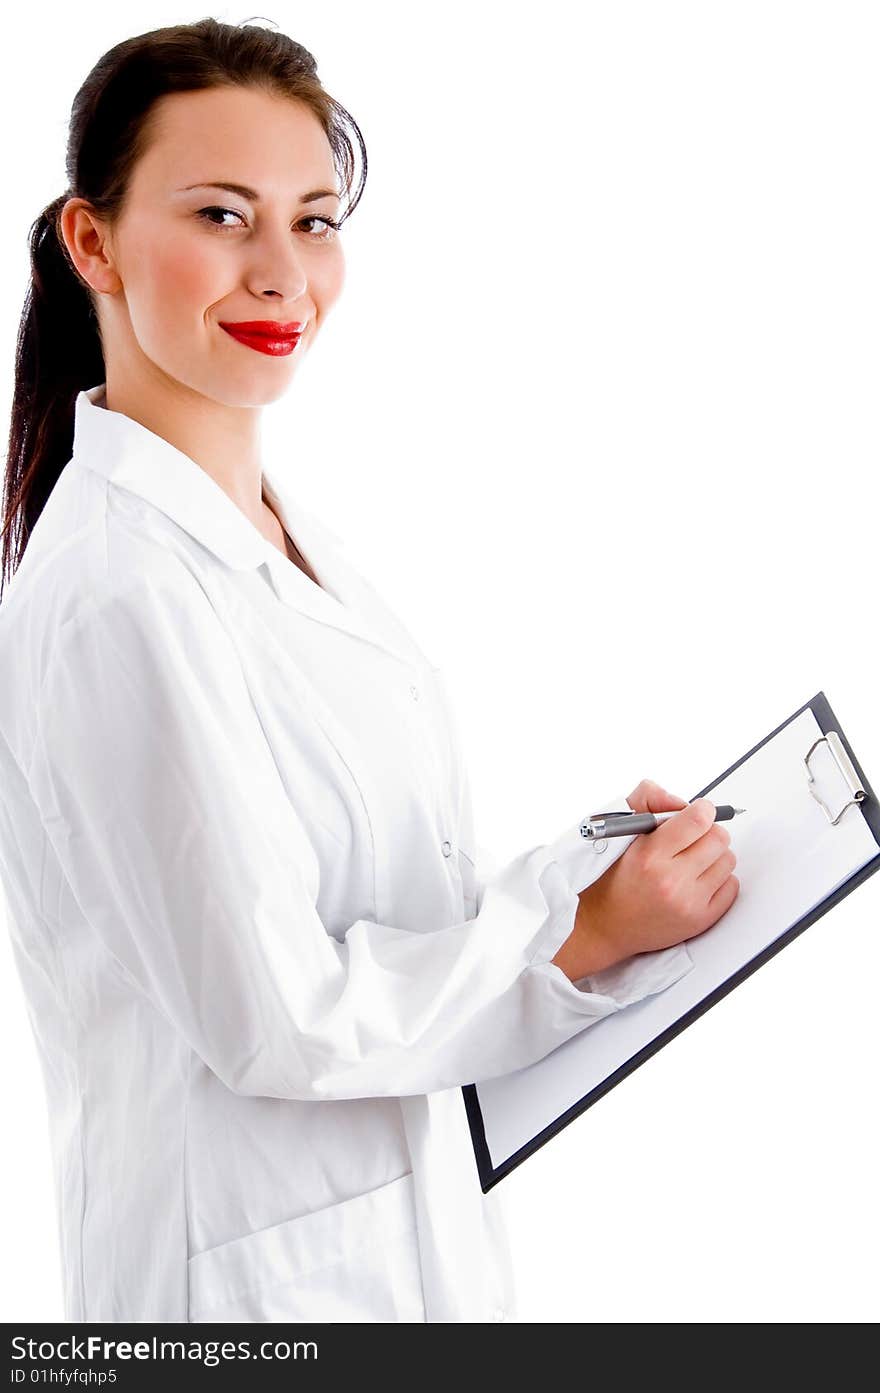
pixel 256 989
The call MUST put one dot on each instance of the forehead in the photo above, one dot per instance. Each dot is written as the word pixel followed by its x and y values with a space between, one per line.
pixel 274 144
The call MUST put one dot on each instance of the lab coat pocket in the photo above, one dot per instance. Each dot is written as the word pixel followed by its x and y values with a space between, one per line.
pixel 357 1260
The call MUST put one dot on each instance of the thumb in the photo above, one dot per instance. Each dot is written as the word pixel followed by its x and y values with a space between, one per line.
pixel 650 797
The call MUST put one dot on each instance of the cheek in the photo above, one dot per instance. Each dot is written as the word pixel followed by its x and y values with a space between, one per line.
pixel 177 275
pixel 327 280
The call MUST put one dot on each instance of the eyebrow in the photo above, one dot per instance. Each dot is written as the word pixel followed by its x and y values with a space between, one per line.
pixel 253 195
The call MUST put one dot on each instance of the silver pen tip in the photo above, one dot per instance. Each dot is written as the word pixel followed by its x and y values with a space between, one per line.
pixel 739 810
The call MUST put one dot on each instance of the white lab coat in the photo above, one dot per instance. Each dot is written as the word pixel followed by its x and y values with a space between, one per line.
pixel 259 958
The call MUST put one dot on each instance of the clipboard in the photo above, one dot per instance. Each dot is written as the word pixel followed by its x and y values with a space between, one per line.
pixel 804 776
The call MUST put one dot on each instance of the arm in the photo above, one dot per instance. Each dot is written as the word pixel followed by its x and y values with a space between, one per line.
pixel 170 820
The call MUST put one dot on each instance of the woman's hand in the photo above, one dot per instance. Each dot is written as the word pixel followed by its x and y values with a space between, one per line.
pixel 649 797
pixel 667 887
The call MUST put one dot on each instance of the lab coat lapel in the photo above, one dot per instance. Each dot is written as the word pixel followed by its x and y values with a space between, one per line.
pixel 343 597
pixel 137 459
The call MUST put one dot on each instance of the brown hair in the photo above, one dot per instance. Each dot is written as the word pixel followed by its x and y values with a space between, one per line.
pixel 58 349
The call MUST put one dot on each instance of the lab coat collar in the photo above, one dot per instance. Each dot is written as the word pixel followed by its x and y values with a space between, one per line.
pixel 135 458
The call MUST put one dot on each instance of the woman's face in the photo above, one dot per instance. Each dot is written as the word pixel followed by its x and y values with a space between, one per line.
pixel 182 260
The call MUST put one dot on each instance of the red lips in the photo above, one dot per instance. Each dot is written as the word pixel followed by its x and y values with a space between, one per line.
pixel 265 335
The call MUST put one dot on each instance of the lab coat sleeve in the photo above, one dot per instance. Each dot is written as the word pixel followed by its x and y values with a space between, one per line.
pixel 176 834
pixel 634 977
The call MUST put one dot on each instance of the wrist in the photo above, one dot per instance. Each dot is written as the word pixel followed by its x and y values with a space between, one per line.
pixel 595 945
pixel 588 948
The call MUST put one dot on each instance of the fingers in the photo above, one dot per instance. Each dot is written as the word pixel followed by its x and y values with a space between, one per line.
pixel 716 873
pixel 703 853
pixel 723 898
pixel 679 832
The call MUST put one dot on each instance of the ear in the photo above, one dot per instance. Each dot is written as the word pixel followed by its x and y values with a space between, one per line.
pixel 87 239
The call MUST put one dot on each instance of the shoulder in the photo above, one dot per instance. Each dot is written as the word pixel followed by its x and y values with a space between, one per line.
pixel 91 546
pixel 113 605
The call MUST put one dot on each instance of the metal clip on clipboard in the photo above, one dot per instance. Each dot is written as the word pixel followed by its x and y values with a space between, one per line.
pixel 845 765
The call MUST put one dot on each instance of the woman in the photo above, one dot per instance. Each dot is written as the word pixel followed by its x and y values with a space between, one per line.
pixel 235 827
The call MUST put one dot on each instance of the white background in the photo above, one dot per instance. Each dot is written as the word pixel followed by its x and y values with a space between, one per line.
pixel 598 414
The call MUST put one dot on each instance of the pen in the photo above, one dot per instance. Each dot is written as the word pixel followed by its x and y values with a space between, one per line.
pixel 626 824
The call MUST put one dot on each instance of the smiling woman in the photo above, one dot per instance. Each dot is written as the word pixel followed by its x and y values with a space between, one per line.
pixel 181 305
pixel 236 836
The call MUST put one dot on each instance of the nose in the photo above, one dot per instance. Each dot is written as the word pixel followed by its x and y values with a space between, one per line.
pixel 279 270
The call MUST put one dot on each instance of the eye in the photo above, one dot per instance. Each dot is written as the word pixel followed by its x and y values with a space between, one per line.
pixel 206 212
pixel 329 225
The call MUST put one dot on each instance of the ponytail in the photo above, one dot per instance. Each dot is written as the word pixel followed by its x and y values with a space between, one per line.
pixel 58 353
